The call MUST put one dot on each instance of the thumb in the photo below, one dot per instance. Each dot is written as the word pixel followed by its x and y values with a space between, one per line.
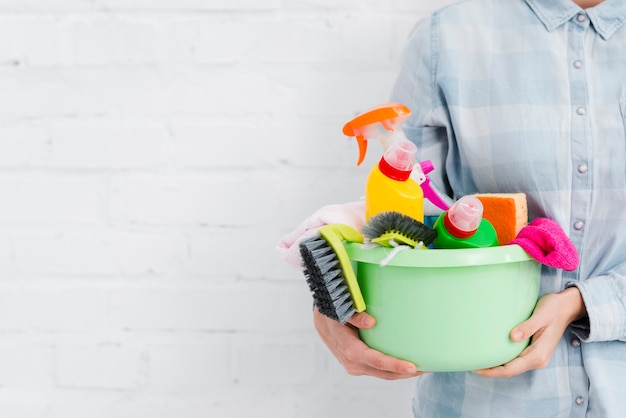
pixel 525 329
pixel 362 320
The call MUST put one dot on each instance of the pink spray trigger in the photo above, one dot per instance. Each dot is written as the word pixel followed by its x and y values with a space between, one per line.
pixel 430 193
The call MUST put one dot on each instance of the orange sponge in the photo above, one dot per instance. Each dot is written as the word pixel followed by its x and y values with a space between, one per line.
pixel 507 212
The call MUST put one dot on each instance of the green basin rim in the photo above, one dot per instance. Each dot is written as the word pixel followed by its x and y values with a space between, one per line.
pixel 420 257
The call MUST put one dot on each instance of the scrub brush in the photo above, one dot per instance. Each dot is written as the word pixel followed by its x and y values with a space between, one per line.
pixel 329 272
pixel 391 229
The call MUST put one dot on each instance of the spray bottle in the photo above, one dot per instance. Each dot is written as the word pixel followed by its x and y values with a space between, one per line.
pixel 397 191
pixel 389 186
pixel 463 226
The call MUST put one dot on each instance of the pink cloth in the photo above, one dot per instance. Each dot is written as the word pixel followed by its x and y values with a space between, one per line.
pixel 545 241
pixel 352 214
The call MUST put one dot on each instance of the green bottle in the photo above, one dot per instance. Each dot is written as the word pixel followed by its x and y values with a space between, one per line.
pixel 463 226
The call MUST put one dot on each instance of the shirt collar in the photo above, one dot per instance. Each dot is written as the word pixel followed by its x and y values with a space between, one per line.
pixel 607 17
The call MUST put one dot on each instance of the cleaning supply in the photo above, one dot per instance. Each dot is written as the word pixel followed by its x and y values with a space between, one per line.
pixel 351 213
pixel 329 272
pixel 463 226
pixel 394 228
pixel 389 187
pixel 447 310
pixel 545 241
pixel 389 116
pixel 419 175
pixel 507 212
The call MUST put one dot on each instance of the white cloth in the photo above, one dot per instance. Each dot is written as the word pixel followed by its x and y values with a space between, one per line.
pixel 352 214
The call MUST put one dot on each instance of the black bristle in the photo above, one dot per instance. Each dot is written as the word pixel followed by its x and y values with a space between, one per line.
pixel 325 279
pixel 392 221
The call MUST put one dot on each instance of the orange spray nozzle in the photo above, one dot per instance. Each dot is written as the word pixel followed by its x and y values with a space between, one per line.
pixel 364 126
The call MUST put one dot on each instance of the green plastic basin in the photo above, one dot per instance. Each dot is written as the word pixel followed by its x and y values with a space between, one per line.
pixel 447 310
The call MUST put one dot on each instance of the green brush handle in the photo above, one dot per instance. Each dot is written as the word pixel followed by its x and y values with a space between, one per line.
pixel 385 238
pixel 335 235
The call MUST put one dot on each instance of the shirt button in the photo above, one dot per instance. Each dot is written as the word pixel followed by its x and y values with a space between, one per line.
pixel 580 400
pixel 582 168
pixel 581 18
pixel 581 111
pixel 575 342
pixel 578 64
pixel 579 225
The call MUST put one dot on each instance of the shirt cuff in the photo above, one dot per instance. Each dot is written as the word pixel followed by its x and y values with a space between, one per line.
pixel 606 316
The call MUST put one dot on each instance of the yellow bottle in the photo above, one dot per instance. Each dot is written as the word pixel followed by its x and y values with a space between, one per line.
pixel 389 186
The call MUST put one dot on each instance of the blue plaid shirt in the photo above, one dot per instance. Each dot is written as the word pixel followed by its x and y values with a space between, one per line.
pixel 530 96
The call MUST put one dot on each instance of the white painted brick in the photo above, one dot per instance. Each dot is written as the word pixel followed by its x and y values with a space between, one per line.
pixel 26 366
pixel 183 366
pixel 101 366
pixel 259 143
pixel 201 406
pixel 299 40
pixel 202 143
pixel 24 403
pixel 274 359
pixel 39 198
pixel 67 405
pixel 262 306
pixel 202 92
pixel 23 145
pixel 246 254
pixel 215 198
pixel 59 404
pixel 63 310
pixel 335 93
pixel 214 40
pixel 270 406
pixel 40 40
pixel 98 252
pixel 7 263
pixel 135 91
pixel 96 143
pixel 29 93
pixel 105 40
pixel 38 6
pixel 210 5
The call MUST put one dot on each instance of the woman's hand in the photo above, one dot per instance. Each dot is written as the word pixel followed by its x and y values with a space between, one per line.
pixel 553 313
pixel 356 357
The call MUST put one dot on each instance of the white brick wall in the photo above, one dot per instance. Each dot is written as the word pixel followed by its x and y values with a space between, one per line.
pixel 152 153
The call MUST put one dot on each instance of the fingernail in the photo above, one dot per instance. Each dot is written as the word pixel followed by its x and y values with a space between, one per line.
pixel 367 321
pixel 517 335
pixel 410 370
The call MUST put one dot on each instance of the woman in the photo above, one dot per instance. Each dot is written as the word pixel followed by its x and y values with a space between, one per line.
pixel 526 96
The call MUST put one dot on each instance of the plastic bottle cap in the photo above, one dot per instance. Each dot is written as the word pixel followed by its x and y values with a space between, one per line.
pixel 398 160
pixel 463 218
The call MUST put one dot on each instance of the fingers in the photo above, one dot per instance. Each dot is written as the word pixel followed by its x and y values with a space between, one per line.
pixel 513 368
pixel 362 320
pixel 362 360
pixel 528 328
pixel 354 355
pixel 545 328
pixel 536 356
